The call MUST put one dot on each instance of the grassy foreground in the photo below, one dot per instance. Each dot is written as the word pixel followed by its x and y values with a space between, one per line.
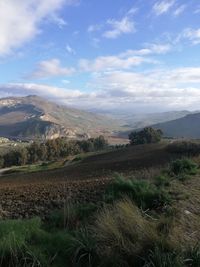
pixel 139 223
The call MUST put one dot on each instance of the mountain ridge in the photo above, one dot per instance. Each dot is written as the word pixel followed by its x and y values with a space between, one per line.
pixel 186 127
pixel 33 116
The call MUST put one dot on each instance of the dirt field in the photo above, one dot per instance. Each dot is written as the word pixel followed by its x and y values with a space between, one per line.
pixel 31 194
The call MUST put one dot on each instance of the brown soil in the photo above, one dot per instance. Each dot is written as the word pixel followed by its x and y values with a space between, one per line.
pixel 31 194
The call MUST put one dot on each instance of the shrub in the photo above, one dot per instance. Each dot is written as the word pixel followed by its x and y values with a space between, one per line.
pixel 183 166
pixel 146 136
pixel 123 234
pixel 145 194
pixel 187 148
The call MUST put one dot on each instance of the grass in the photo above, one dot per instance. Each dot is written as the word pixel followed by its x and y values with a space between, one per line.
pixel 187 147
pixel 119 234
pixel 13 244
pixel 145 194
pixel 83 249
pixel 133 227
pixel 160 258
pixel 35 167
pixel 123 233
pixel 162 180
pixel 73 216
pixel 183 166
pixel 192 256
pixel 26 243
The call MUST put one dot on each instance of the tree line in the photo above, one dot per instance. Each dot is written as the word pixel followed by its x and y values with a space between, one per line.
pixel 51 150
pixel 148 135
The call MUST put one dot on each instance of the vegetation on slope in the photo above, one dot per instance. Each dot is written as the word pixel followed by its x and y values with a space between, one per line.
pixel 138 226
pixel 50 150
pixel 146 136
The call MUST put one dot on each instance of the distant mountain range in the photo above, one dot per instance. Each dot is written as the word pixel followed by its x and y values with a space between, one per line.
pixel 33 117
pixel 186 127
pixel 136 121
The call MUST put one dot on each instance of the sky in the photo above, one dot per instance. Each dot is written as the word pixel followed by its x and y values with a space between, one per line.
pixel 104 55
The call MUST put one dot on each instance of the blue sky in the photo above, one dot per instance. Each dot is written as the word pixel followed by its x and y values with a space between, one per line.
pixel 106 55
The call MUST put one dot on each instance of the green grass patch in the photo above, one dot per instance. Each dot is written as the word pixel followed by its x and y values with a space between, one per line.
pixel 162 180
pixel 35 167
pixel 182 169
pixel 72 217
pixel 145 194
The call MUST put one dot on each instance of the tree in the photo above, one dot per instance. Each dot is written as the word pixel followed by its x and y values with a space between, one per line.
pixel 33 152
pixel 100 143
pixel 146 136
pixel 22 156
pixel 1 161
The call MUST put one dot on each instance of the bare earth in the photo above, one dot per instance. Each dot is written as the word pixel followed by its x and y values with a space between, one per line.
pixel 32 194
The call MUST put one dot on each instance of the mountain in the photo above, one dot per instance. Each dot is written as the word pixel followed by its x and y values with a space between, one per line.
pixel 187 127
pixel 140 120
pixel 34 117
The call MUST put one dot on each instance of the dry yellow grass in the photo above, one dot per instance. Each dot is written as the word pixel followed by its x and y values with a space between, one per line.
pixel 122 230
pixel 185 229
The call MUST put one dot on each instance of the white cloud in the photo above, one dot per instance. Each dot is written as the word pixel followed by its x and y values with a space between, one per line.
pixel 50 68
pixel 177 88
pixel 94 27
pixel 132 11
pixel 51 92
pixel 150 49
pixel 110 63
pixel 162 7
pixel 160 89
pixel 59 21
pixel 191 34
pixel 179 10
pixel 21 20
pixel 70 50
pixel 124 26
pixel 125 60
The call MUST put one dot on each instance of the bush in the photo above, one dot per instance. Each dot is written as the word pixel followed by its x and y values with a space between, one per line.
pixel 187 148
pixel 144 194
pixel 183 166
pixel 123 234
pixel 146 136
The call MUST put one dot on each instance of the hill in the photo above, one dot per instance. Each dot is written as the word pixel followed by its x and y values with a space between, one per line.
pixel 140 120
pixel 33 117
pixel 186 127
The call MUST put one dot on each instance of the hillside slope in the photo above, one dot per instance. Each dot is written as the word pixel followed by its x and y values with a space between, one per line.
pixel 33 117
pixel 187 127
pixel 139 120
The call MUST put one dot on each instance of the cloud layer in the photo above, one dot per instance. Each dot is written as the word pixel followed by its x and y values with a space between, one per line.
pixel 50 68
pixel 20 20
pixel 163 89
